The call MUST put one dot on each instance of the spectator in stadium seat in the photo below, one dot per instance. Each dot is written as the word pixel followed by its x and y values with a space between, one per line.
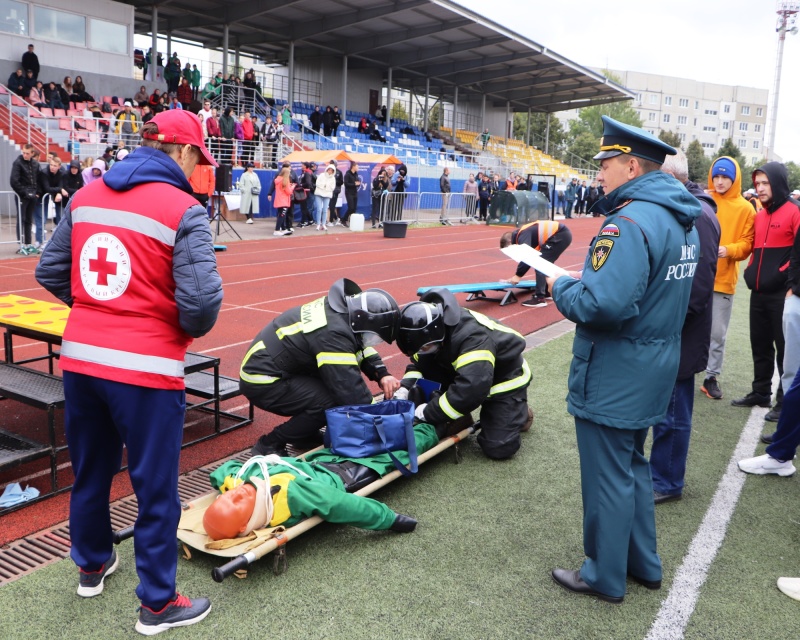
pixel 53 96
pixel 248 133
pixel 36 96
pixel 29 81
pixel 127 127
pixel 30 62
pixel 363 125
pixel 16 83
pixel 327 122
pixel 316 119
pixel 374 133
pixel 174 103
pixel 153 100
pixel 147 114
pixel 195 81
pixel 184 93
pixel 141 97
pixel 227 128
pixel 336 120
pixel 79 93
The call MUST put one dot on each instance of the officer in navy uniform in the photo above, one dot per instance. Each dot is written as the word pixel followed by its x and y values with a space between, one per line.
pixel 629 304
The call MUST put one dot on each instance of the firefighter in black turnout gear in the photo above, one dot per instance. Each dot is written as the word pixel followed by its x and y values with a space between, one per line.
pixel 311 357
pixel 477 360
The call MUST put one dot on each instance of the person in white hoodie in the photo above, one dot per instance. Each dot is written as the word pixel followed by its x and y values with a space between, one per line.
pixel 95 172
pixel 326 183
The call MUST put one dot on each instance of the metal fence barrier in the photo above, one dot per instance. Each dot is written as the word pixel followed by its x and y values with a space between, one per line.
pixel 429 207
pixel 10 213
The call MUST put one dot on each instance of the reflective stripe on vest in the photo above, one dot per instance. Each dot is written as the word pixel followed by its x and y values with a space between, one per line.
pixel 412 375
pixel 473 356
pixel 255 378
pixel 125 220
pixel 514 383
pixel 328 357
pixel 547 228
pixel 122 359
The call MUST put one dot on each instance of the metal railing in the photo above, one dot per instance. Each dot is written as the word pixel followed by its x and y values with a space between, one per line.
pixel 10 217
pixel 429 207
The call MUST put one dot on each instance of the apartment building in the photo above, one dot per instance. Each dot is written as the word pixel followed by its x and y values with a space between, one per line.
pixel 704 111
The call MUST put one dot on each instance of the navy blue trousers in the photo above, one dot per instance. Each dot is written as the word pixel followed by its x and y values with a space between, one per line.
pixel 100 417
pixel 671 440
pixel 787 436
pixel 619 524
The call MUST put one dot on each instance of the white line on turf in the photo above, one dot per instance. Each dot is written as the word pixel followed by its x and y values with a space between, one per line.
pixel 676 610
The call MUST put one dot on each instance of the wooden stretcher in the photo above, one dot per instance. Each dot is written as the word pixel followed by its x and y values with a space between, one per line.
pixel 477 291
pixel 268 540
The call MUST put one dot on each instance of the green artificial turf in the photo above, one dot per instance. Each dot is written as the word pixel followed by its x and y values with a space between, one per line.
pixel 478 565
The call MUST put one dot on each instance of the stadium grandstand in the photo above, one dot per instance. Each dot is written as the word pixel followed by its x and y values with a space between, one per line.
pixel 449 68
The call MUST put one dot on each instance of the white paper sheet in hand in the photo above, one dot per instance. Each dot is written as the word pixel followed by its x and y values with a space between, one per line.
pixel 530 256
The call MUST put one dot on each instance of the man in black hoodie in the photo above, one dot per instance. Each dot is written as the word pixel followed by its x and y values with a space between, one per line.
pixel 776 227
pixel 671 435
pixel 25 183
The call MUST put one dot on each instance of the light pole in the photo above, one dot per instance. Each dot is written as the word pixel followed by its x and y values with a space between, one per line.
pixel 787 16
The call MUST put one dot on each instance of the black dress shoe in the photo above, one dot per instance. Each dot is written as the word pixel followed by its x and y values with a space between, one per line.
pixel 660 498
pixel 752 399
pixel 773 415
pixel 653 585
pixel 572 581
pixel 767 438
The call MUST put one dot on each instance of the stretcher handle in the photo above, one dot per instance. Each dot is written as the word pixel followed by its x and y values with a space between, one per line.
pixel 123 534
pixel 229 568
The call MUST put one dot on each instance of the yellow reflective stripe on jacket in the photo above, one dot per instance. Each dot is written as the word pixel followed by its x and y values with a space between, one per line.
pixel 473 356
pixel 412 375
pixel 514 383
pixel 447 408
pixel 328 357
pixel 289 330
pixel 491 324
pixel 255 378
pixel 364 354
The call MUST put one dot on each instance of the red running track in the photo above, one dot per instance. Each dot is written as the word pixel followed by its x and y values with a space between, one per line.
pixel 263 278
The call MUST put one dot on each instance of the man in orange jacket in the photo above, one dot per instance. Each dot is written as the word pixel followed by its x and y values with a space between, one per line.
pixel 202 182
pixel 735 216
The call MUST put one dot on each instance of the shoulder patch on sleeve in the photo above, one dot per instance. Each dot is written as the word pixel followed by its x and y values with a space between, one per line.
pixel 610 230
pixel 600 252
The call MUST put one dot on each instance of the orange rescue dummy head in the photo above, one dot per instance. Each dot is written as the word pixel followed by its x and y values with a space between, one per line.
pixel 229 515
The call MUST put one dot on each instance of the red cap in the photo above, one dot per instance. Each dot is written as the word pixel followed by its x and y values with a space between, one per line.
pixel 181 127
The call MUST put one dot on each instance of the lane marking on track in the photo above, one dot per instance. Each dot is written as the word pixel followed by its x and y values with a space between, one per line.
pixel 676 610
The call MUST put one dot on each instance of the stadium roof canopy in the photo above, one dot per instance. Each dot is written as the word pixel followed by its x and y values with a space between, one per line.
pixel 418 39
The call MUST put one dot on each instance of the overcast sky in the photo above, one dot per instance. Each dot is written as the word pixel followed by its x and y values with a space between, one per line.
pixel 732 42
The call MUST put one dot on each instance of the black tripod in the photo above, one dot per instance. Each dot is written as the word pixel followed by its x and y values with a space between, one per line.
pixel 221 219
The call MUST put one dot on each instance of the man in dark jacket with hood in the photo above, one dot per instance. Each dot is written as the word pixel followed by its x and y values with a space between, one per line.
pixel 671 435
pixel 766 275
pixel 146 285
pixel 629 304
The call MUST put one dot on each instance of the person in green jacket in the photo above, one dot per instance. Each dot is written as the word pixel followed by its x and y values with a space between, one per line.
pixel 629 305
pixel 195 81
pixel 272 491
